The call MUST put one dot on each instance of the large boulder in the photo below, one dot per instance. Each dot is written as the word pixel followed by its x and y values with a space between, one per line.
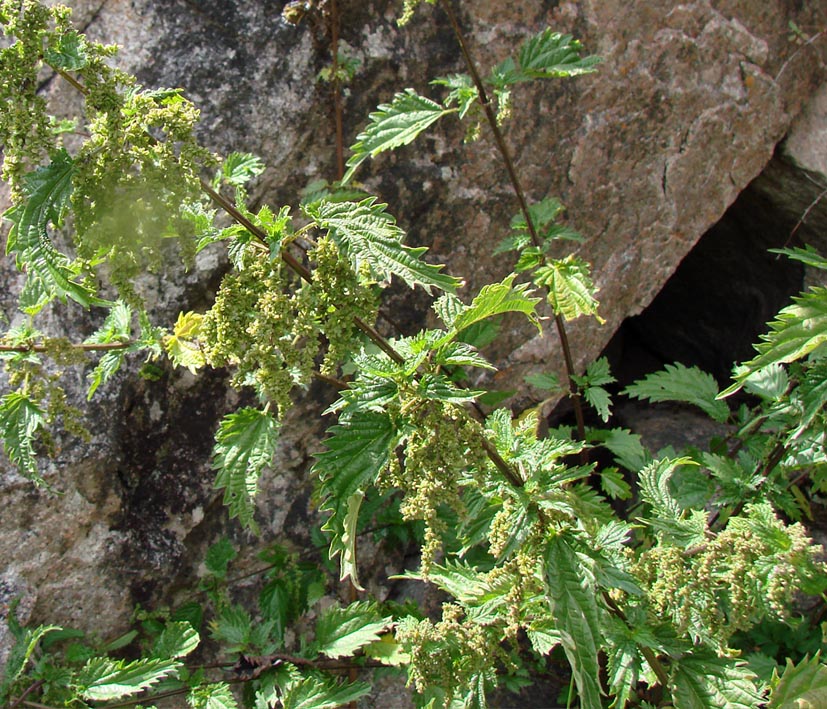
pixel 685 111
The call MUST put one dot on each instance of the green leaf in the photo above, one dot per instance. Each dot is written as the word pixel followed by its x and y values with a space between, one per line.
pixel 20 420
pixel 551 54
pixel 68 52
pixel 393 125
pixel 801 686
pixel 116 328
pixel 457 578
pixel 624 445
pixel 314 693
pixel 233 628
pixel 614 485
pixel 357 450
pixel 653 482
pixel 461 354
pixel 543 636
pixel 601 400
pixel 796 331
pixel 26 640
pixel 340 632
pixel 623 670
pixel 462 92
pixel 182 346
pixel 244 445
pixel 575 611
pixel 218 557
pixel 680 383
pixel 495 299
pixel 178 639
pixel 544 381
pixel 102 679
pixel 440 388
pixel 48 190
pixel 238 169
pixel 368 234
pixel 212 696
pixel 570 287
pixel 807 255
pixel 703 681
pixel 770 383
pixel 387 651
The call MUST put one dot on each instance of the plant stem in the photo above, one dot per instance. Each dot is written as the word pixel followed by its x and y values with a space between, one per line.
pixel 491 118
pixel 337 90
pixel 650 657
pixel 31 688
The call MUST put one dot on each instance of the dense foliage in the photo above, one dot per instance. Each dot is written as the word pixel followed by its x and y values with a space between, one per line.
pixel 645 580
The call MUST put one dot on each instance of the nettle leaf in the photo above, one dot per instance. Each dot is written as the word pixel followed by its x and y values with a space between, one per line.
pixel 116 328
pixel 244 445
pixel 233 628
pixel 554 55
pixel 20 420
pixel 770 383
pixel 440 388
pixel 544 381
pixel 614 485
pixel 493 299
pixel 315 693
pixel 26 641
pixel 462 91
pixel 626 447
pixel 358 448
pixel 238 169
pixel 340 632
pixel 570 287
pixel 387 651
pixel 680 383
pixel 800 686
pixel 543 636
pixel 461 354
pixel 68 52
pixel 704 681
pixel 807 255
pixel 102 679
pixel 457 578
pixel 623 670
pixel 393 125
pixel 178 639
pixel 48 190
pixel 182 346
pixel 219 556
pixel 212 696
pixel 600 400
pixel 498 298
pixel 576 615
pixel 653 482
pixel 368 234
pixel 796 331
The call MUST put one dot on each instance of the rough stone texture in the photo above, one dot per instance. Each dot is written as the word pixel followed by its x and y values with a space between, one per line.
pixel 685 112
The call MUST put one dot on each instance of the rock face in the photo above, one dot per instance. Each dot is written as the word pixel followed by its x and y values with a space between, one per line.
pixel 686 110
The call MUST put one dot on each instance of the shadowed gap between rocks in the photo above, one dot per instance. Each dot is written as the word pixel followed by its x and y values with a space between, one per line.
pixel 718 302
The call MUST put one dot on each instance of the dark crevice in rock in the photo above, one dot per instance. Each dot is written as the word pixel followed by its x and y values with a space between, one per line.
pixel 719 300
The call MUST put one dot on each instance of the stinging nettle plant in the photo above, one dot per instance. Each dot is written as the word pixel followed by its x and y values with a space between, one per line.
pixel 641 582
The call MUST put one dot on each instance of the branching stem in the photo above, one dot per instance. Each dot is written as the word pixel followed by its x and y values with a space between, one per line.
pixel 491 118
